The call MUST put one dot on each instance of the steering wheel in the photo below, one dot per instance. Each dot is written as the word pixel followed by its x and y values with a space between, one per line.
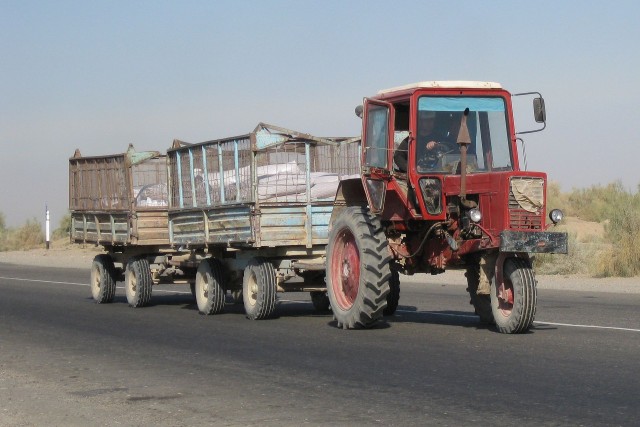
pixel 432 157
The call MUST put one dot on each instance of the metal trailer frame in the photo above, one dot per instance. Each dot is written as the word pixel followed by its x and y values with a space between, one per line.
pixel 119 201
pixel 252 196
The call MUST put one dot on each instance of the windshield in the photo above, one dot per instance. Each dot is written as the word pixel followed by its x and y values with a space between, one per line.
pixel 439 120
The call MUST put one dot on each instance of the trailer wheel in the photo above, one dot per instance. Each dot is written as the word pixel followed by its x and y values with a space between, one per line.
pixel 138 282
pixel 481 303
pixel 358 263
pixel 210 292
pixel 259 289
pixel 103 283
pixel 320 301
pixel 393 298
pixel 514 300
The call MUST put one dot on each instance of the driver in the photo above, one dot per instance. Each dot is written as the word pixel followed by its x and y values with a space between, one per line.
pixel 433 141
pixel 429 140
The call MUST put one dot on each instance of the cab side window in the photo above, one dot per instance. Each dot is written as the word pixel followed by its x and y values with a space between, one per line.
pixel 377 136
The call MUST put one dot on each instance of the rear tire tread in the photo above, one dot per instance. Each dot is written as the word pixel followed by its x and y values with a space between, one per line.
pixel 375 272
pixel 139 267
pixel 209 274
pixel 106 291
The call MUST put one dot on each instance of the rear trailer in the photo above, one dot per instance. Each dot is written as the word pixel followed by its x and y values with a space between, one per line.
pixel 120 202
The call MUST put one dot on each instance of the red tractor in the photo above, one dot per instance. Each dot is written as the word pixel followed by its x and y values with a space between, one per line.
pixel 441 188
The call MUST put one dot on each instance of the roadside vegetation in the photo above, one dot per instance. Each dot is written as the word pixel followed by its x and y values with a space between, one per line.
pixel 615 251
pixel 30 235
pixel 608 248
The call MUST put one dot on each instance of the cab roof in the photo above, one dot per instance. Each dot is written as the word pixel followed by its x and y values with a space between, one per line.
pixel 443 84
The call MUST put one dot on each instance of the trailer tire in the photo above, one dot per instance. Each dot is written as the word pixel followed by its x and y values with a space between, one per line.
pixel 514 301
pixel 259 289
pixel 103 282
pixel 481 303
pixel 138 282
pixel 358 268
pixel 210 292
pixel 393 298
pixel 320 301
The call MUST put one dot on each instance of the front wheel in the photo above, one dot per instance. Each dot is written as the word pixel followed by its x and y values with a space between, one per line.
pixel 481 302
pixel 393 298
pixel 358 269
pixel 138 282
pixel 514 301
pixel 320 301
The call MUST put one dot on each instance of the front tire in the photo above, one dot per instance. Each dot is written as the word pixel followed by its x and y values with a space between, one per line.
pixel 393 298
pixel 138 282
pixel 358 269
pixel 514 300
pixel 259 289
pixel 481 303
pixel 209 290
pixel 320 301
pixel 103 283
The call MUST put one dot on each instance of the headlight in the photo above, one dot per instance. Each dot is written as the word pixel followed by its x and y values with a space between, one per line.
pixel 556 216
pixel 475 215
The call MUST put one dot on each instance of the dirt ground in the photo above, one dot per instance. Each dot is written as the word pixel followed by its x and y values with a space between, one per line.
pixel 61 253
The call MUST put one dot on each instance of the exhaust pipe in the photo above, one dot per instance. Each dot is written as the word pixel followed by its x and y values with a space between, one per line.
pixel 464 140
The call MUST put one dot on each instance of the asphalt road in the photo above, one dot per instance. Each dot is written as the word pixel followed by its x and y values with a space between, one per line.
pixel 67 361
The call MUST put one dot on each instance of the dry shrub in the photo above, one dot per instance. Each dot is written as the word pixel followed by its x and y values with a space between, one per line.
pixel 611 205
pixel 623 230
pixel 579 259
pixel 28 236
pixel 64 229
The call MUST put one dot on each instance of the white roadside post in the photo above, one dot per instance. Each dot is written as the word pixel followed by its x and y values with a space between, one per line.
pixel 46 208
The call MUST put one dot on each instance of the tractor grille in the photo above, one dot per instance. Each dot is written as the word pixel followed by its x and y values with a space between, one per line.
pixel 526 203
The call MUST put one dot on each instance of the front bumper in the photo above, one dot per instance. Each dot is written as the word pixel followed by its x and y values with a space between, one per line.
pixel 534 242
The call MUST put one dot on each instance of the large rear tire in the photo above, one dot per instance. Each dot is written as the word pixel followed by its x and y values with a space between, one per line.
pixel 103 282
pixel 358 269
pixel 514 300
pixel 209 290
pixel 138 282
pixel 259 289
pixel 481 303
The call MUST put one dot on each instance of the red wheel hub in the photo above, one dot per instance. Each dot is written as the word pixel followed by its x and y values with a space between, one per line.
pixel 345 269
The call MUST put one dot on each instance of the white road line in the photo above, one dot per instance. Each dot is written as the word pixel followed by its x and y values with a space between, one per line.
pixel 465 316
pixel 84 284
pixel 571 325
pixel 586 326
pixel 43 281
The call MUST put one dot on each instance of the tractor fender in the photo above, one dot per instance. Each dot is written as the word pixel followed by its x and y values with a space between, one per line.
pixel 350 193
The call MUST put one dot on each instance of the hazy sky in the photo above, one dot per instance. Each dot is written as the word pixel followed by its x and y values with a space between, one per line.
pixel 100 75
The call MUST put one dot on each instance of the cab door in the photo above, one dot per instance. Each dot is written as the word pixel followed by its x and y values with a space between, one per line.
pixel 377 131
